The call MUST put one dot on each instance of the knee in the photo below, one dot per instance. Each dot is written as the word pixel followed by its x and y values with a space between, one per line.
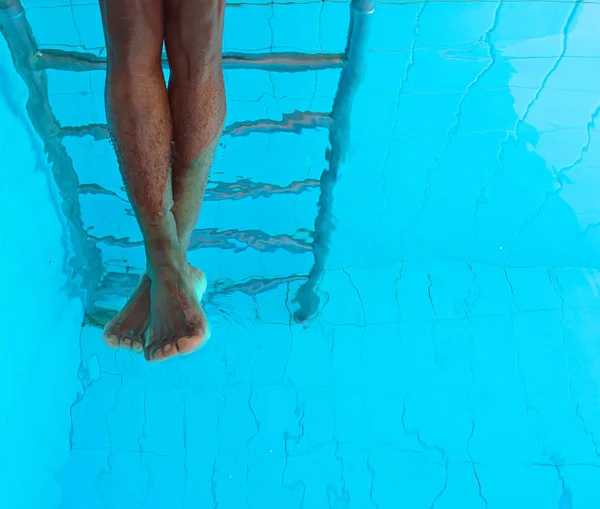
pixel 134 60
pixel 194 49
pixel 195 62
pixel 134 32
pixel 133 42
pixel 194 67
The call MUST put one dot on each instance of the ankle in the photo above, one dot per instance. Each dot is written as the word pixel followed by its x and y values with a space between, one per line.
pixel 164 253
pixel 170 274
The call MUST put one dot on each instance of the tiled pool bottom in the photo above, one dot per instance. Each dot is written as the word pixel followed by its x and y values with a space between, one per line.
pixel 439 385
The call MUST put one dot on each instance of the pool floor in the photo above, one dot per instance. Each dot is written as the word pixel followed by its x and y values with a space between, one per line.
pixel 423 385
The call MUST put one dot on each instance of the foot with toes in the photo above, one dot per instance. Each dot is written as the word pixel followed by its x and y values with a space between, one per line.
pixel 163 317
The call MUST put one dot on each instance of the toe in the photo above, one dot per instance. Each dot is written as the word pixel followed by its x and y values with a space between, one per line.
pixel 169 350
pixel 136 345
pixel 111 340
pixel 153 353
pixel 161 351
pixel 192 341
pixel 131 343
pixel 157 357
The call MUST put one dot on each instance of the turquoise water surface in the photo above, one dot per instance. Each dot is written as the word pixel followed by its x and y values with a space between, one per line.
pixel 401 236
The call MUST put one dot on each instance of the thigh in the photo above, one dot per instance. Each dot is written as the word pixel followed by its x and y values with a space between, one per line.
pixel 133 29
pixel 193 32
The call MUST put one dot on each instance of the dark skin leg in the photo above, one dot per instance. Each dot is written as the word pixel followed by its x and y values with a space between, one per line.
pixel 193 39
pixel 163 315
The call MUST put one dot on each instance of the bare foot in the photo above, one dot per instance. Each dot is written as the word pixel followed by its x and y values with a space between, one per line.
pixel 128 327
pixel 177 322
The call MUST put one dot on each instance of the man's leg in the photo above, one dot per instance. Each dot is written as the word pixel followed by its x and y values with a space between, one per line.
pixel 140 119
pixel 193 38
pixel 138 113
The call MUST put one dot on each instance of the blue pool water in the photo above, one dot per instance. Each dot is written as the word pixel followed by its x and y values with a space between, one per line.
pixel 401 236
